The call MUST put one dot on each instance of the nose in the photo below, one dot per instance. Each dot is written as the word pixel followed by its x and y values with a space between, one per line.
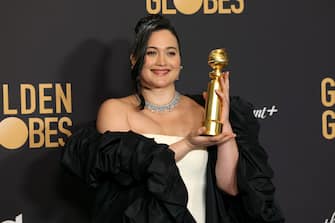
pixel 161 59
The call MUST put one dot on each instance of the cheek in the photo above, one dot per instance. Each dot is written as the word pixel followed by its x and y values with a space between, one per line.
pixel 145 69
pixel 176 63
pixel 148 62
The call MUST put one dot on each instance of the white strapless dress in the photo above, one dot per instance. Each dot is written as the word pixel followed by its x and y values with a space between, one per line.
pixel 192 169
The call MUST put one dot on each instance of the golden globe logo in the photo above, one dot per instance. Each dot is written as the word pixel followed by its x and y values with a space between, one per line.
pixel 189 7
pixel 328 101
pixel 39 117
pixel 13 133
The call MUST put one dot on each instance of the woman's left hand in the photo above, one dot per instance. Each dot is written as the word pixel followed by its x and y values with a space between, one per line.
pixel 224 97
pixel 223 94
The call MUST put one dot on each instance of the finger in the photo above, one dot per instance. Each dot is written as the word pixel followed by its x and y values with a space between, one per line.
pixel 194 132
pixel 205 95
pixel 227 138
pixel 225 76
pixel 201 130
pixel 224 134
pixel 227 132
pixel 220 94
pixel 227 80
pixel 222 81
pixel 223 84
pixel 217 138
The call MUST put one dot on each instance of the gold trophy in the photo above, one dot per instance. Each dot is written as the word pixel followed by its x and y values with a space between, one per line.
pixel 217 59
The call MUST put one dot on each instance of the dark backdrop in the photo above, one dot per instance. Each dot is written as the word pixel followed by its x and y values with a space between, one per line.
pixel 280 52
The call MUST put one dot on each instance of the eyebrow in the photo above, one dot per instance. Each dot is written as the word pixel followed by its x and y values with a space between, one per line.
pixel 168 48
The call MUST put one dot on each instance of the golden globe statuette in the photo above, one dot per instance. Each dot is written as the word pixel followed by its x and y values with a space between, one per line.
pixel 217 59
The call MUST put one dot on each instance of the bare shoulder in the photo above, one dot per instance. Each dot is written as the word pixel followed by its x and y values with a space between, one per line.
pixel 113 114
pixel 191 105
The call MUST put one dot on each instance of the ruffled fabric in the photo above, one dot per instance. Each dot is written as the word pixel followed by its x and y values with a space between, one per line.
pixel 255 202
pixel 137 180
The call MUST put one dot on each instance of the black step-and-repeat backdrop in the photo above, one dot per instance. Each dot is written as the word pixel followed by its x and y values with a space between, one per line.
pixel 61 59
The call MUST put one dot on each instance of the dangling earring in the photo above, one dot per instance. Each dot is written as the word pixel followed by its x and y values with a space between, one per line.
pixel 181 67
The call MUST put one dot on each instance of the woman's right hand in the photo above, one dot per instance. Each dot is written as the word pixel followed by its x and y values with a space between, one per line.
pixel 196 138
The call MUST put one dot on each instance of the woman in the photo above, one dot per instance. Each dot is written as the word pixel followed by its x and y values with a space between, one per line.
pixel 150 161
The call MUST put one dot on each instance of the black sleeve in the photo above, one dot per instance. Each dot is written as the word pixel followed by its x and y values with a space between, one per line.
pixel 136 179
pixel 255 201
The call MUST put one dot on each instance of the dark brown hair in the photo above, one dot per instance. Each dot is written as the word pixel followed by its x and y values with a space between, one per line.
pixel 143 30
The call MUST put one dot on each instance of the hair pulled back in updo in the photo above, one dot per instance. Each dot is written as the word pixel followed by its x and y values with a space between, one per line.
pixel 143 30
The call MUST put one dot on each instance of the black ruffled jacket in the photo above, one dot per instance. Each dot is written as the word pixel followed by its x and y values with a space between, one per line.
pixel 137 180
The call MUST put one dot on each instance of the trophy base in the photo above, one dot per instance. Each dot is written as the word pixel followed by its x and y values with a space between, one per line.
pixel 213 128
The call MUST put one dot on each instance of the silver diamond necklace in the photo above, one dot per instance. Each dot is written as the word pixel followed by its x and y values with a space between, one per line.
pixel 167 107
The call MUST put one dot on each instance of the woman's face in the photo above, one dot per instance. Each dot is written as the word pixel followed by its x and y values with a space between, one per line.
pixel 162 60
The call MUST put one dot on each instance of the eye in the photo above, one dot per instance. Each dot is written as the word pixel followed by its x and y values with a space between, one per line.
pixel 171 53
pixel 151 53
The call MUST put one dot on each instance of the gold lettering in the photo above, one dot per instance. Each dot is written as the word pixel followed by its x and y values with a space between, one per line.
pixel 49 132
pixel 24 88
pixel 63 130
pixel 207 9
pixel 157 7
pixel 36 132
pixel 44 98
pixel 65 99
pixel 6 109
pixel 328 126
pixel 223 10
pixel 166 10
pixel 326 92
pixel 240 9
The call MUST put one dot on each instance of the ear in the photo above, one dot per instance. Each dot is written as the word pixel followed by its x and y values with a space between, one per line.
pixel 132 60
